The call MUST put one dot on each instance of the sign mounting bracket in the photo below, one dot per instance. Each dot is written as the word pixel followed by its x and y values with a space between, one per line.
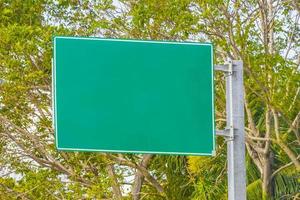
pixel 228 132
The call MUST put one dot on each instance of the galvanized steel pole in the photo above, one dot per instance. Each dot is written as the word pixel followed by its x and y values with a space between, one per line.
pixel 234 131
pixel 235 123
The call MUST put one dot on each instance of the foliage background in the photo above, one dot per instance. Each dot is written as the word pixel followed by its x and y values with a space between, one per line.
pixel 262 33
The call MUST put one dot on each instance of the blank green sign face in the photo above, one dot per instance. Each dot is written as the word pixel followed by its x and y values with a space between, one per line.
pixel 133 96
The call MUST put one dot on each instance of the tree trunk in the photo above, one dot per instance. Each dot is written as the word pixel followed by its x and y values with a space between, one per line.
pixel 267 160
pixel 267 182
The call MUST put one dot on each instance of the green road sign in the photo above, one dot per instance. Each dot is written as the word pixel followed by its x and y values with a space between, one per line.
pixel 133 96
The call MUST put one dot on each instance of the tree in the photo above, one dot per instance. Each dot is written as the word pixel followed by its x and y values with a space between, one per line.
pixel 264 34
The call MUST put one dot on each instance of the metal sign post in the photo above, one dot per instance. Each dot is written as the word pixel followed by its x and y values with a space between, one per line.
pixel 234 132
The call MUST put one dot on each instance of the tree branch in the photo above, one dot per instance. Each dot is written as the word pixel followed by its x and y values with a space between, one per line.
pixel 115 185
pixel 139 177
pixel 142 169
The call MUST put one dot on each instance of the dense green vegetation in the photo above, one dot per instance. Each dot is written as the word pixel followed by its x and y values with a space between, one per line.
pixel 262 33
